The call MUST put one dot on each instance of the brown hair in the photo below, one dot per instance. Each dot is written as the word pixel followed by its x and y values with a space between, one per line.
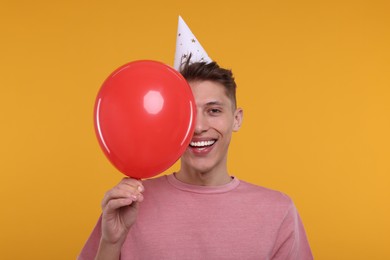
pixel 202 71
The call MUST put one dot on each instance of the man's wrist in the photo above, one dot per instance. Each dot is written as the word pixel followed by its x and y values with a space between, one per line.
pixel 108 250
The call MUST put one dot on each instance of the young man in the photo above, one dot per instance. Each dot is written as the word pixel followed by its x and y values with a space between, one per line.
pixel 200 212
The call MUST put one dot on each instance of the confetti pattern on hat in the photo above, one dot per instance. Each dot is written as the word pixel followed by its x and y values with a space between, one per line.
pixel 187 43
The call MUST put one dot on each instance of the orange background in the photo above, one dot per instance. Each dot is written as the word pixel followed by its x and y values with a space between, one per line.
pixel 313 80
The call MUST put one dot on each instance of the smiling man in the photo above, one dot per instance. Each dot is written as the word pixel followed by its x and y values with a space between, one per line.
pixel 200 212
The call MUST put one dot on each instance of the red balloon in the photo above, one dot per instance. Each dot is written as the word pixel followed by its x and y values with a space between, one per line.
pixel 144 118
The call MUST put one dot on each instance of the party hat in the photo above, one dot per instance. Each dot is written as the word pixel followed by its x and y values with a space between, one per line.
pixel 186 44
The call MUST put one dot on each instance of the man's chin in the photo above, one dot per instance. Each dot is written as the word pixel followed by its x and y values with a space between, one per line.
pixel 196 164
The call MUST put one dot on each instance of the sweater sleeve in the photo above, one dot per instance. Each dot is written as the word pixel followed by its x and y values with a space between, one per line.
pixel 90 248
pixel 291 242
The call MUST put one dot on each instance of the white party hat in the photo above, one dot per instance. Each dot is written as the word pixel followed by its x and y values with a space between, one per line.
pixel 186 44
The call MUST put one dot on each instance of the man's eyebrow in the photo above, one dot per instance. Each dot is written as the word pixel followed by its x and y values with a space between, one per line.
pixel 214 103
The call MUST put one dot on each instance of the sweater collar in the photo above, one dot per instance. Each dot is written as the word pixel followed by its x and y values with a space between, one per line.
pixel 202 189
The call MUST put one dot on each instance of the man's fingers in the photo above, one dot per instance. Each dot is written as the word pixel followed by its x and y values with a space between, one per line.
pixel 113 205
pixel 123 191
pixel 140 197
pixel 133 183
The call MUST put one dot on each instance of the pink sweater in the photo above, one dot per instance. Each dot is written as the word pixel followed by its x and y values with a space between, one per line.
pixel 235 221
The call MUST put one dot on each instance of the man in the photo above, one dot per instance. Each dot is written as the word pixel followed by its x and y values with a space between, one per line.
pixel 200 212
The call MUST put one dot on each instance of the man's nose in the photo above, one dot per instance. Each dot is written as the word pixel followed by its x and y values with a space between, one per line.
pixel 201 124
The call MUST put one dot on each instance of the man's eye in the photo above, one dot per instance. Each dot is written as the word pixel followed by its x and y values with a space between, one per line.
pixel 215 111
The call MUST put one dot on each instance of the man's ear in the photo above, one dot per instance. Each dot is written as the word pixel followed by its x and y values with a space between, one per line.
pixel 238 117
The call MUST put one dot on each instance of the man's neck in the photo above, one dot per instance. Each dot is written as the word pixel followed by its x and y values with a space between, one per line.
pixel 203 178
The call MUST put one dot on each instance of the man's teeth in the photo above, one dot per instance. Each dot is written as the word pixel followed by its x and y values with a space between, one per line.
pixel 202 143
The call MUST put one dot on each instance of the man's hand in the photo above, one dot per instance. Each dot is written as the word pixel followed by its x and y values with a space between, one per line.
pixel 120 207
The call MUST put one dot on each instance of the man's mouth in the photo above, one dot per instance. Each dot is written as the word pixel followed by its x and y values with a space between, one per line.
pixel 202 144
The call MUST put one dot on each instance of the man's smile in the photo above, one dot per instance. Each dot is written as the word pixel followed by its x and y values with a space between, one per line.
pixel 202 146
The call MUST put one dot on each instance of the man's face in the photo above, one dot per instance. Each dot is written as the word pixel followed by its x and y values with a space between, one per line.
pixel 215 121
